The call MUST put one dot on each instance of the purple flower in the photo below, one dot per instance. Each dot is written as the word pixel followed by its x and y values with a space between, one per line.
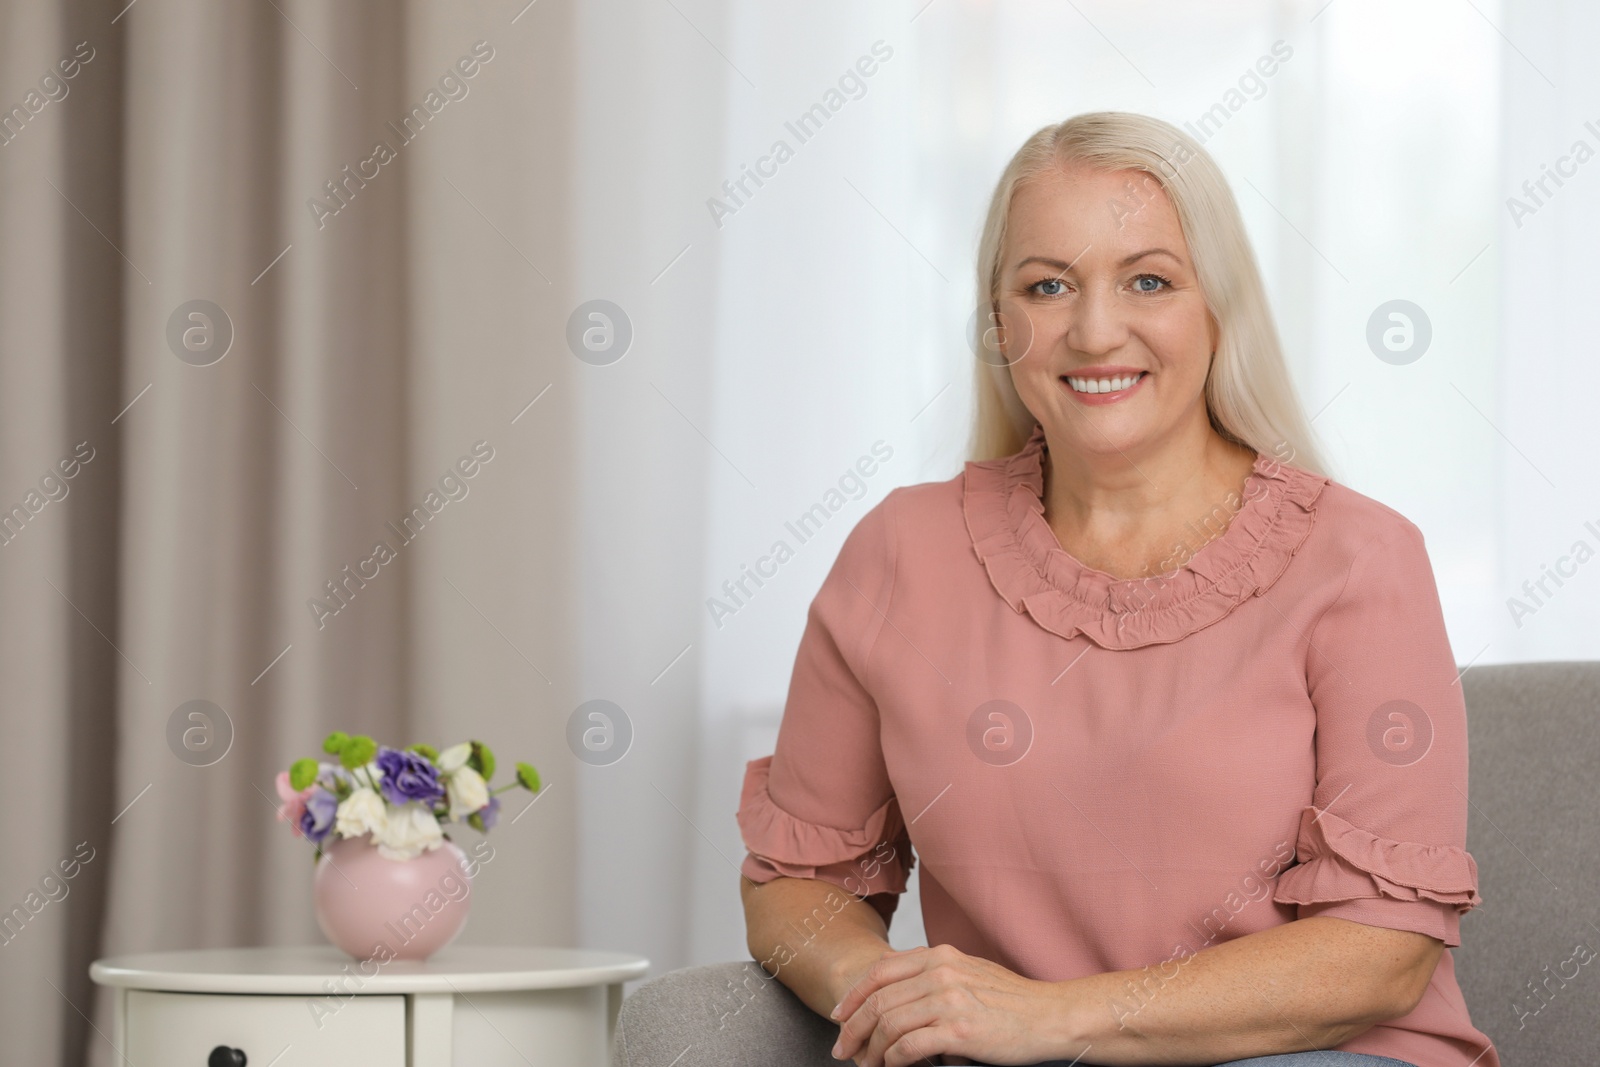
pixel 489 813
pixel 318 817
pixel 408 776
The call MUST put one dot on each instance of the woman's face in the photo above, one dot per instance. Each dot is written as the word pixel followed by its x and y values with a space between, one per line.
pixel 1095 266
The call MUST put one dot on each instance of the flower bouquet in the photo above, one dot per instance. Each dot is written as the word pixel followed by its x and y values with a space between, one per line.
pixel 376 816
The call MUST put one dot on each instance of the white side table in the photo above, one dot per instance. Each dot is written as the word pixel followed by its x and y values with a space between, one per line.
pixel 476 1006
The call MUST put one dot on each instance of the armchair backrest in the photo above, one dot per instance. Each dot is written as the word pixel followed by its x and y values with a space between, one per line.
pixel 1529 960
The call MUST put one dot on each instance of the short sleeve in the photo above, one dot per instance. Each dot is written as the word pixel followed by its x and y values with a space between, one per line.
pixel 821 806
pixel 1384 841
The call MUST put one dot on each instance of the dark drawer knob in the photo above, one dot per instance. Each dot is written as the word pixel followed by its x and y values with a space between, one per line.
pixel 223 1056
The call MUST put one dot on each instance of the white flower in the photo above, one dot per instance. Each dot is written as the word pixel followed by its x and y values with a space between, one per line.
pixel 454 757
pixel 363 811
pixel 468 792
pixel 373 774
pixel 409 832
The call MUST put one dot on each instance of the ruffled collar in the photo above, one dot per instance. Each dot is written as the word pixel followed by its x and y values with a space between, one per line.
pixel 1003 500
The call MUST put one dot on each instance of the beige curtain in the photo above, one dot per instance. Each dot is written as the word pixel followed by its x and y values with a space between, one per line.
pixel 375 340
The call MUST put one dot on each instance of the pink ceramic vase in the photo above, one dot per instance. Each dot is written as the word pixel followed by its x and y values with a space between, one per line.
pixel 376 908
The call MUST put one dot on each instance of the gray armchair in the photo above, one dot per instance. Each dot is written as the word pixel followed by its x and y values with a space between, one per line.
pixel 1534 828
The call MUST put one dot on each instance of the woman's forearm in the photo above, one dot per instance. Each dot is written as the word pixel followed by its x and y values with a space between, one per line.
pixel 1310 984
pixel 815 937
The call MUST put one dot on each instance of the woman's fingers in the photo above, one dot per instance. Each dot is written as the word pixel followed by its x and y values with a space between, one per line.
pixel 930 1003
pixel 864 1022
pixel 892 966
pixel 912 1049
pixel 907 1027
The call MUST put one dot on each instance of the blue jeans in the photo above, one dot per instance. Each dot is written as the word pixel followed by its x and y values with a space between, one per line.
pixel 1332 1058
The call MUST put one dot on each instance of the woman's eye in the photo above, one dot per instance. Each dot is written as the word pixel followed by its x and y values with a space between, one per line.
pixel 1157 280
pixel 1039 287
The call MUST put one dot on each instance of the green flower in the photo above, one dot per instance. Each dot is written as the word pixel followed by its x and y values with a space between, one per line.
pixel 481 760
pixel 528 777
pixel 302 772
pixel 358 751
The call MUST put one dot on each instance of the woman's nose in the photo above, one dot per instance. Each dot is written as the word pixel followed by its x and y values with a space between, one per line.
pixel 1096 322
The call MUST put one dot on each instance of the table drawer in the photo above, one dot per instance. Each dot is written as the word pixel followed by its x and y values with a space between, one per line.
pixel 181 1029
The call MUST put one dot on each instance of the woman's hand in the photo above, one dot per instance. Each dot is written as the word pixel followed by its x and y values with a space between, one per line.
pixel 914 1005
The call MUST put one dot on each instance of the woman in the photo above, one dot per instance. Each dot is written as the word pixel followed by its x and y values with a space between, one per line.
pixel 1169 718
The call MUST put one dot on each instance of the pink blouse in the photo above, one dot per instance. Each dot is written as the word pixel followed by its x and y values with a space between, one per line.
pixel 1101 774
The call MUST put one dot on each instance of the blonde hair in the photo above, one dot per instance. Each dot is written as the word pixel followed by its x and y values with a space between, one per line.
pixel 1249 395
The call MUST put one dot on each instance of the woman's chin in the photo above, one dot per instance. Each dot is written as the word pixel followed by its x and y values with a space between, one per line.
pixel 1108 439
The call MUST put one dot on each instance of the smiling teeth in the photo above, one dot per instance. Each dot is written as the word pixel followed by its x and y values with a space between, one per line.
pixel 1101 385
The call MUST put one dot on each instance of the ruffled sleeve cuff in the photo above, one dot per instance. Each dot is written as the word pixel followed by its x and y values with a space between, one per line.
pixel 1346 872
pixel 874 858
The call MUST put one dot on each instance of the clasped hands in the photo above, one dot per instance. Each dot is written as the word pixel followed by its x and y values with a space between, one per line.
pixel 916 1005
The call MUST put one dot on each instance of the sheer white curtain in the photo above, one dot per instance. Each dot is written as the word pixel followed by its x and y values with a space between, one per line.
pixel 1371 150
pixel 1545 469
pixel 649 90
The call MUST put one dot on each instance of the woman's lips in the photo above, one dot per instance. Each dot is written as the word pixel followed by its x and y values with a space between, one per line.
pixel 1071 383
